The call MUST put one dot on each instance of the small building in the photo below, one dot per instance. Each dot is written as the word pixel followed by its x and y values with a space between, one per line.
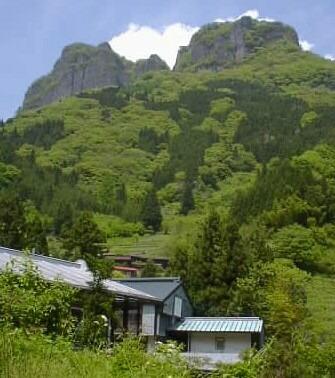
pixel 212 340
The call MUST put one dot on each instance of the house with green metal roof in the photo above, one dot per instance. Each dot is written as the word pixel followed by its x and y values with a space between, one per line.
pixel 207 340
pixel 212 340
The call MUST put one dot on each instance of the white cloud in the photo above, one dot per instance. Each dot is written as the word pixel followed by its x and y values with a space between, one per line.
pixel 305 45
pixel 253 13
pixel 330 57
pixel 139 42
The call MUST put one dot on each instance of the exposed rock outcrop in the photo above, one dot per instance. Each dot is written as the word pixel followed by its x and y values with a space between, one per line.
pixel 83 67
pixel 153 63
pixel 220 45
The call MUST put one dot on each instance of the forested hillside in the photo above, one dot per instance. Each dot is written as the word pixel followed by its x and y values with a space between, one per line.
pixel 232 170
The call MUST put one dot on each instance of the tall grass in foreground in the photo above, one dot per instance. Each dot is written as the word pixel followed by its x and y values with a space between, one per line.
pixel 36 356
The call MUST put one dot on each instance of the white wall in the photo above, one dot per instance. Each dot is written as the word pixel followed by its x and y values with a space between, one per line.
pixel 202 342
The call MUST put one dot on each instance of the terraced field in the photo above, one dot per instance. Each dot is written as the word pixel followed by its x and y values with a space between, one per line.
pixel 146 245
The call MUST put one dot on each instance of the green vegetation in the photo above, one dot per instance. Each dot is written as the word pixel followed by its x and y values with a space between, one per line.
pixel 229 173
pixel 30 303
pixel 36 356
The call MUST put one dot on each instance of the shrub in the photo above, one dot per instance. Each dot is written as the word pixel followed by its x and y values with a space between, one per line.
pixel 29 302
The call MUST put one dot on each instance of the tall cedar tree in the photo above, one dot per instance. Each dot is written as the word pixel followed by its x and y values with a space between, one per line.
pixel 187 202
pixel 84 238
pixel 219 258
pixel 151 212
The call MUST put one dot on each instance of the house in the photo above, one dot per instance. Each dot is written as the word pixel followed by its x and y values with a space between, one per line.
pixel 175 303
pixel 155 309
pixel 212 340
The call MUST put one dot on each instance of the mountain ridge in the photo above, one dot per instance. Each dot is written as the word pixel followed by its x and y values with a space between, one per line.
pixel 81 67
pixel 214 47
pixel 221 44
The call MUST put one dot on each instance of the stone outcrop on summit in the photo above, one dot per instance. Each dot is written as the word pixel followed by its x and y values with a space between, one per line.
pixel 83 67
pixel 222 44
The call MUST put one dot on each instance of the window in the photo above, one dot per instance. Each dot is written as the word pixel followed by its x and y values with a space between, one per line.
pixel 220 344
pixel 119 321
pixel 178 304
pixel 148 319
pixel 133 320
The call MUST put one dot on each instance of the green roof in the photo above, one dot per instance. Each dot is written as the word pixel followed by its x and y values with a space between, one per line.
pixel 222 324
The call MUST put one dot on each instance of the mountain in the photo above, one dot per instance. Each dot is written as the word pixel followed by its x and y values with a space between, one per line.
pixel 223 44
pixel 231 156
pixel 194 138
pixel 82 67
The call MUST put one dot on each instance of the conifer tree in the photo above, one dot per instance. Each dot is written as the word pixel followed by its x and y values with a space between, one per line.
pixel 187 202
pixel 217 259
pixel 151 212
pixel 84 239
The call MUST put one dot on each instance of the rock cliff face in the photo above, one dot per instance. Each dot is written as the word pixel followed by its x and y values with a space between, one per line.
pixel 82 67
pixel 220 45
pixel 153 63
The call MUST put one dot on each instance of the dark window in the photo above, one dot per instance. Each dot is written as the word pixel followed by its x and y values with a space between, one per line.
pixel 220 343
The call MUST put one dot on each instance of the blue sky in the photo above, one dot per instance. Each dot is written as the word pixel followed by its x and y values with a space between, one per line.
pixel 33 33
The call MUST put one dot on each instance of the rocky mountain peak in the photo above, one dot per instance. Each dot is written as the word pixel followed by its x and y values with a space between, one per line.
pixel 81 67
pixel 222 44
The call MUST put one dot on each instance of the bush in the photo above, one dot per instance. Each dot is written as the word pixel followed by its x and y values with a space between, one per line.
pixel 29 302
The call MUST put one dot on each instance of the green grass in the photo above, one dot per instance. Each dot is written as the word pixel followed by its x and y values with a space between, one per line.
pixel 24 356
pixel 147 245
pixel 321 304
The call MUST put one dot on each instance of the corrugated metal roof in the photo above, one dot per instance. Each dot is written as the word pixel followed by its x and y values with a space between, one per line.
pixel 222 324
pixel 159 287
pixel 75 274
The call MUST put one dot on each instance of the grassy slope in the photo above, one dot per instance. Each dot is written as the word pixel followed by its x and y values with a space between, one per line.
pixel 147 245
pixel 321 304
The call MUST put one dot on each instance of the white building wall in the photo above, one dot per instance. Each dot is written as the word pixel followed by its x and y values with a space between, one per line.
pixel 202 342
